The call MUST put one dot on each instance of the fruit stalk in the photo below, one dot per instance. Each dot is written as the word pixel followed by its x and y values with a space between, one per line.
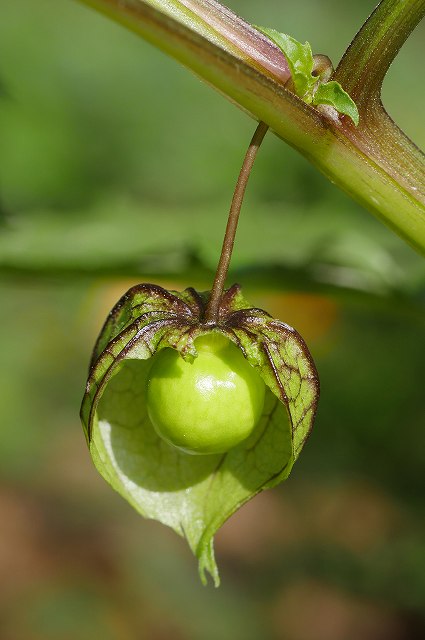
pixel 211 312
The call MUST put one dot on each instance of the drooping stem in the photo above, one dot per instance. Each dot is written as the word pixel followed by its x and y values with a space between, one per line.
pixel 211 312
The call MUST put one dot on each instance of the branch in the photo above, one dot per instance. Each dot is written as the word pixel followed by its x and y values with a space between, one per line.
pixel 363 66
pixel 362 70
pixel 376 164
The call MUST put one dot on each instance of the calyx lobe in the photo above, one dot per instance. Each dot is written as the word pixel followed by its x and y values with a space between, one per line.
pixel 193 494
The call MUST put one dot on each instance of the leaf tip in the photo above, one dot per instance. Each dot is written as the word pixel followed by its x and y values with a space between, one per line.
pixel 333 95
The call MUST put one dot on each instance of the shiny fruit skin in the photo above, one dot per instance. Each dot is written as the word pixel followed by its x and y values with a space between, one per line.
pixel 207 406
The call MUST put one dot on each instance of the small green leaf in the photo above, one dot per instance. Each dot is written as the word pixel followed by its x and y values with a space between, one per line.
pixel 307 86
pixel 193 494
pixel 331 93
pixel 300 61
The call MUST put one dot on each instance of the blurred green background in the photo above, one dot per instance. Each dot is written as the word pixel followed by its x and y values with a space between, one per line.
pixel 117 166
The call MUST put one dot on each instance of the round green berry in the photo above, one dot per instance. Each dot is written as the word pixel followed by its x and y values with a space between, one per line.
pixel 209 405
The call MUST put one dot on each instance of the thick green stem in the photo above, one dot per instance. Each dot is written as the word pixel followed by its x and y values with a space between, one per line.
pixel 376 164
pixel 362 71
pixel 363 67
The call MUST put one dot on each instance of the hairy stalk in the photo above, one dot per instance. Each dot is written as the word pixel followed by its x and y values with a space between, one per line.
pixel 211 312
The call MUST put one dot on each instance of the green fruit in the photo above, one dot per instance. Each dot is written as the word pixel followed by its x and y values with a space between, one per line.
pixel 209 405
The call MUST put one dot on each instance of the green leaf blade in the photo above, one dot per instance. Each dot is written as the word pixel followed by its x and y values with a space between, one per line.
pixel 299 57
pixel 332 94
